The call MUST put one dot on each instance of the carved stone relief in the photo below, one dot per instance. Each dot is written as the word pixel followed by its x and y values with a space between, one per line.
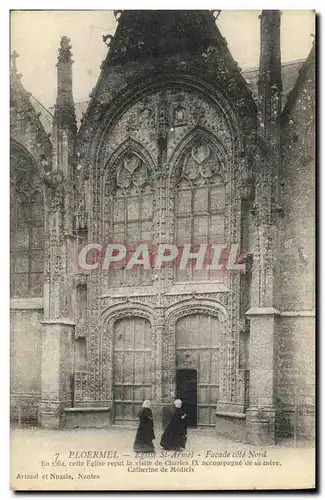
pixel 184 112
pixel 199 149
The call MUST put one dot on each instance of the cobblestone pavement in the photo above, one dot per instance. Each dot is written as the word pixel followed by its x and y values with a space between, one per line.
pixel 222 463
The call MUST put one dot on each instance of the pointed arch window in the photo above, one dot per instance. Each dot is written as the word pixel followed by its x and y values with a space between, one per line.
pixel 200 209
pixel 132 216
pixel 26 227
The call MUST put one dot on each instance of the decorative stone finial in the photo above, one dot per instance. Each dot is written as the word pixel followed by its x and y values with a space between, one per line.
pixel 117 14
pixel 64 113
pixel 65 49
pixel 65 43
pixel 216 14
pixel 14 57
pixel 107 39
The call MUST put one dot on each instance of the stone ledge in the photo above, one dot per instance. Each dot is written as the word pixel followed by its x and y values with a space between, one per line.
pixel 28 303
pixel 241 416
pixel 125 292
pixel 263 311
pixel 301 314
pixel 87 409
pixel 90 403
pixel 270 311
pixel 179 288
pixel 196 288
pixel 58 321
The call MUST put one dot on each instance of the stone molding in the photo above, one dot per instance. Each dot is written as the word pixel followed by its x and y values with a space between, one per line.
pixel 303 314
pixel 27 303
pixel 271 311
pixel 263 311
pixel 194 306
pixel 87 409
pixel 58 321
pixel 230 414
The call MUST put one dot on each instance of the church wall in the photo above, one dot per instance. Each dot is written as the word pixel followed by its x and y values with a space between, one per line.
pixel 297 231
pixel 25 364
pixel 295 377
pixel 296 336
pixel 26 280
pixel 297 237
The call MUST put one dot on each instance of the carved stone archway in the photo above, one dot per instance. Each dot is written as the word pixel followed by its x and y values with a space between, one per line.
pixel 195 306
pixel 109 317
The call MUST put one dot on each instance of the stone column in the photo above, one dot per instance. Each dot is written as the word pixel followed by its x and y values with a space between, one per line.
pixel 160 223
pixel 260 420
pixel 158 405
pixel 57 372
pixel 58 323
pixel 263 312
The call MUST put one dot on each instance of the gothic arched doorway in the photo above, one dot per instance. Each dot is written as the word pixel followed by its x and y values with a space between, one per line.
pixel 197 361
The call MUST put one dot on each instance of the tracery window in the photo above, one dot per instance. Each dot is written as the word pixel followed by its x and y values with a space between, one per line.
pixel 26 227
pixel 132 209
pixel 200 209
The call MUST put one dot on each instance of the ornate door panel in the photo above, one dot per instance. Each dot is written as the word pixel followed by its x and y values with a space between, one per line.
pixel 197 347
pixel 132 367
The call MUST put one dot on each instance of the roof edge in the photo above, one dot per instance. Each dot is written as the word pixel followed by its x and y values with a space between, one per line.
pixel 252 69
pixel 295 91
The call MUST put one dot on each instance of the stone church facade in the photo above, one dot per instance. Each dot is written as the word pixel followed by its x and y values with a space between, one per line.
pixel 174 148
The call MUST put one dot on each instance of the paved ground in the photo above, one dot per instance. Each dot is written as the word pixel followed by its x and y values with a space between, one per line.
pixel 212 462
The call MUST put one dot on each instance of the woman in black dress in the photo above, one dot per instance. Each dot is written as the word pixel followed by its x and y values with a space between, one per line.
pixel 175 434
pixel 145 433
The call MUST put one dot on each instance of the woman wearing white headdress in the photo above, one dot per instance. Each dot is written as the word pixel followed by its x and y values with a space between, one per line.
pixel 175 434
pixel 145 433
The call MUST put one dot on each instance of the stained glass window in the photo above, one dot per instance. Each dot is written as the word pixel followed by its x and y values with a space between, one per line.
pixel 132 214
pixel 26 227
pixel 200 209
